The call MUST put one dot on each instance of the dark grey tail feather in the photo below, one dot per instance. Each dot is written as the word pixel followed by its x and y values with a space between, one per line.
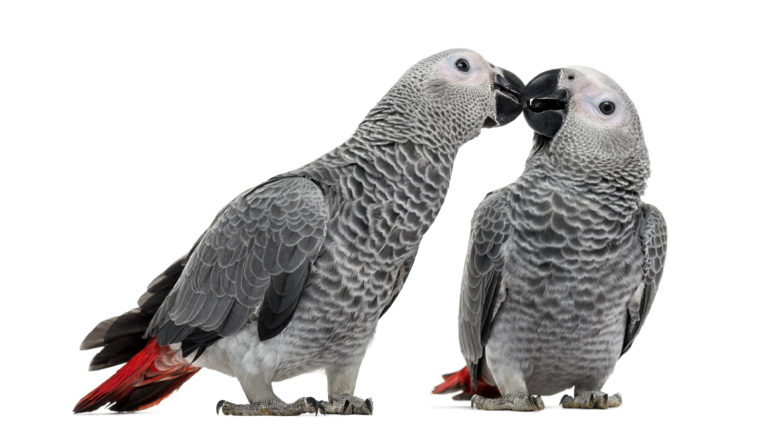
pixel 122 336
pixel 128 323
pixel 118 350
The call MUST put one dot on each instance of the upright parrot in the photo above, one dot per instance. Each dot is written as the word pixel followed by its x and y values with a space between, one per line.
pixel 293 275
pixel 563 264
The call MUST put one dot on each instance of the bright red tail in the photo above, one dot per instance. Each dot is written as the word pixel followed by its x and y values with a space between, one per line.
pixel 145 380
pixel 461 381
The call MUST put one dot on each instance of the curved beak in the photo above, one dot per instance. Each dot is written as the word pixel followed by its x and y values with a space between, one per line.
pixel 546 103
pixel 507 103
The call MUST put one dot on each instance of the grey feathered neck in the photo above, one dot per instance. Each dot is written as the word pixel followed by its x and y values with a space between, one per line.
pixel 407 114
pixel 618 190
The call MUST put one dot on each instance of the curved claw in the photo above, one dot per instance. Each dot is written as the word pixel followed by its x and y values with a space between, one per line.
pixel 369 404
pixel 219 405
pixel 321 407
pixel 313 404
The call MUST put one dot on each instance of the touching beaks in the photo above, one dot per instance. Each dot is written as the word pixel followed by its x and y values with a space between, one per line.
pixel 507 91
pixel 545 103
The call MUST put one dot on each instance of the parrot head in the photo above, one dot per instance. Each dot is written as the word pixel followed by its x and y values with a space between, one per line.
pixel 450 96
pixel 587 124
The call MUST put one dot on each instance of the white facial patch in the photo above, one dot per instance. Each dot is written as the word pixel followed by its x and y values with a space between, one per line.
pixel 589 88
pixel 479 70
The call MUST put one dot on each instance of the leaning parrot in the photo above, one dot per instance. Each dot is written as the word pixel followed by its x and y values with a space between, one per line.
pixel 563 264
pixel 293 275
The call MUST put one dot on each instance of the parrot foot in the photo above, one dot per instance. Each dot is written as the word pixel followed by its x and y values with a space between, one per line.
pixel 509 402
pixel 269 407
pixel 345 404
pixel 591 400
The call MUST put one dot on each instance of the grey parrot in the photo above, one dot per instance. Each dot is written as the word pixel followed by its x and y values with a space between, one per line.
pixel 563 264
pixel 293 275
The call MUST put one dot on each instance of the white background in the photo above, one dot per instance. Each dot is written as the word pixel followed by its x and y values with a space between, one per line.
pixel 125 127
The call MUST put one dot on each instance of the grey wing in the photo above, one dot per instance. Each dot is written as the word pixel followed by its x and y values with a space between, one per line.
pixel 257 252
pixel 483 268
pixel 653 239
pixel 402 275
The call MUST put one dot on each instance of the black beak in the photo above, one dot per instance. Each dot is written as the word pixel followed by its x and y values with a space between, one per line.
pixel 545 104
pixel 507 89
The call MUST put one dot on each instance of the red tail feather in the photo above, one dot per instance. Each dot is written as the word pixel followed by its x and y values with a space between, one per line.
pixel 461 381
pixel 145 380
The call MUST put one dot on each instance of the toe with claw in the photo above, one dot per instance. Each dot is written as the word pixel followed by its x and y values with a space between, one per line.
pixel 591 400
pixel 269 407
pixel 344 404
pixel 510 402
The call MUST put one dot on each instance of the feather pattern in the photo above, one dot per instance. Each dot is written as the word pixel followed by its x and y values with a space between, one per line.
pixel 258 249
pixel 294 274
pixel 653 238
pixel 564 264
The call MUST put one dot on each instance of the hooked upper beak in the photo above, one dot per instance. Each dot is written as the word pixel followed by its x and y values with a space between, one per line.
pixel 507 89
pixel 546 103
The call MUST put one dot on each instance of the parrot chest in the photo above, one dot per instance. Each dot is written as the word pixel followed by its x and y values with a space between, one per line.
pixel 382 199
pixel 566 288
pixel 386 203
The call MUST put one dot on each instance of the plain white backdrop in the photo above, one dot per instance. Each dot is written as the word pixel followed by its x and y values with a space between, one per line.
pixel 126 126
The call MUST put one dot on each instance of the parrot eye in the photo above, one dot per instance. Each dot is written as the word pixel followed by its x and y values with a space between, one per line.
pixel 462 65
pixel 607 107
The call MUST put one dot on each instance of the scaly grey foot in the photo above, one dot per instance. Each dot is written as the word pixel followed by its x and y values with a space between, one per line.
pixel 344 404
pixel 269 407
pixel 509 402
pixel 591 400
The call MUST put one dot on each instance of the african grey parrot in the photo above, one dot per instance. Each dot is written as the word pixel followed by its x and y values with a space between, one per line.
pixel 294 274
pixel 563 264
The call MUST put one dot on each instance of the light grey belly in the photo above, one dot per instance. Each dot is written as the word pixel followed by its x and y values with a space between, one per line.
pixel 318 336
pixel 559 346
